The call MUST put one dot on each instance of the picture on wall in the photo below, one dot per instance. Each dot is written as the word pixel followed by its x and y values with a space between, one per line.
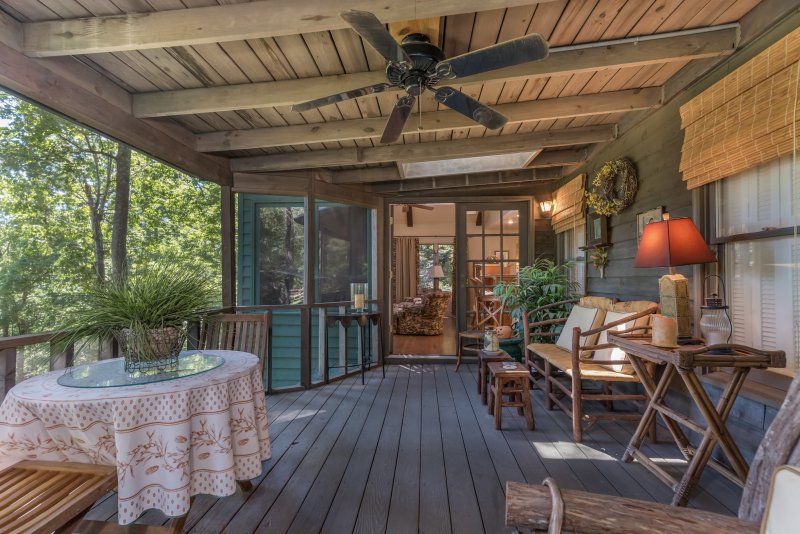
pixel 501 255
pixel 597 229
pixel 646 217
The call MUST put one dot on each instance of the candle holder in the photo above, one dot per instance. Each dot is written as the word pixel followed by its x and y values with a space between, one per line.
pixel 715 323
pixel 358 295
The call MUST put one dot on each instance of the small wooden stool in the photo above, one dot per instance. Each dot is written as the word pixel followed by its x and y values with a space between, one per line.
pixel 483 359
pixel 512 383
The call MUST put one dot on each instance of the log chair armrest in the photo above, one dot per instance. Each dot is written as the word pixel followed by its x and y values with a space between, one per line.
pixel 649 311
pixel 529 507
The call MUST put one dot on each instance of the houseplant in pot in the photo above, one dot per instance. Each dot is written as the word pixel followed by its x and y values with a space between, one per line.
pixel 146 313
pixel 542 283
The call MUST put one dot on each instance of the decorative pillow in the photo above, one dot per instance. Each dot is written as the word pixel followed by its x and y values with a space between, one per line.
pixel 603 303
pixel 616 354
pixel 585 319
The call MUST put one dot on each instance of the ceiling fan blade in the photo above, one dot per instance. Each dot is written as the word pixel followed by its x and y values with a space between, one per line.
pixel 340 97
pixel 397 120
pixel 374 32
pixel 531 47
pixel 469 107
pixel 422 207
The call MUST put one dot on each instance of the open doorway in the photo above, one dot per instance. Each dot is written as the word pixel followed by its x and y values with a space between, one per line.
pixel 423 279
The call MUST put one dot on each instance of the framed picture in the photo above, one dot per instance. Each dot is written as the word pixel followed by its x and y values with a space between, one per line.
pixel 596 229
pixel 501 255
pixel 646 217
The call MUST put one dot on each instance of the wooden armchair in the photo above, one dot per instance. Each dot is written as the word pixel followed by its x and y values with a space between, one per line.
pixel 246 332
pixel 582 354
pixel 536 507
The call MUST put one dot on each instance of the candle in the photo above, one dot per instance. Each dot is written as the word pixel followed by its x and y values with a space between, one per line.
pixel 358 301
pixel 665 331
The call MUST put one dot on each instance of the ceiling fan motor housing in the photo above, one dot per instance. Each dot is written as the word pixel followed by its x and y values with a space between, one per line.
pixel 422 72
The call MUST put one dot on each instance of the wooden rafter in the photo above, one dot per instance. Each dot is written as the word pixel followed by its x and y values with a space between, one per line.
pixel 460 148
pixel 216 24
pixel 483 179
pixel 535 110
pixel 556 158
pixel 708 42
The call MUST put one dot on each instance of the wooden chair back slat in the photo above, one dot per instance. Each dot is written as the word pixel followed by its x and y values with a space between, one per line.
pixel 244 332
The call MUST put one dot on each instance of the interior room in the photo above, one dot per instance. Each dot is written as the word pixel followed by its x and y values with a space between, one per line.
pixel 415 266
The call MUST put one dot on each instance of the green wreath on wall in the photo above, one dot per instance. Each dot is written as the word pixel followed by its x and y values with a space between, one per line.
pixel 613 187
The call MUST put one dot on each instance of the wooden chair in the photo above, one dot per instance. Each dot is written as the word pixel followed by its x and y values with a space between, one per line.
pixel 549 361
pixel 246 332
pixel 588 513
pixel 490 315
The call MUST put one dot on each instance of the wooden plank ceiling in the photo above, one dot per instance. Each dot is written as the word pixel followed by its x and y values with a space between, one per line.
pixel 220 90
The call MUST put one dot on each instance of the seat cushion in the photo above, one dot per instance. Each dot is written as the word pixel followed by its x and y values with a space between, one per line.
pixel 562 359
pixel 585 319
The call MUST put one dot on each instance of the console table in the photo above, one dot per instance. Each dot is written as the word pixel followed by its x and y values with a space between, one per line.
pixel 363 319
pixel 684 361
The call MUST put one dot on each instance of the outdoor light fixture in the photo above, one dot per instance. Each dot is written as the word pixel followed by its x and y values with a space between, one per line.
pixel 670 243
pixel 546 208
pixel 715 323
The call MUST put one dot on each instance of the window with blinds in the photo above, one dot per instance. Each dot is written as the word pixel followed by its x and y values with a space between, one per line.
pixel 761 268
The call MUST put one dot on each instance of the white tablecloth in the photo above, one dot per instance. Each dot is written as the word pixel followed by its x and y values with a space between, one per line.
pixel 169 440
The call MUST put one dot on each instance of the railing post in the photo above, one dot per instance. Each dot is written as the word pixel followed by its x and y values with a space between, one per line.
pixel 8 370
pixel 305 347
pixel 60 359
pixel 193 335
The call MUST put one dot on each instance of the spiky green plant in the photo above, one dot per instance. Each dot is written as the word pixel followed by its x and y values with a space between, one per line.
pixel 155 298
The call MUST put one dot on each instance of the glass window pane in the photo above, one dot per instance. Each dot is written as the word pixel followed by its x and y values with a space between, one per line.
pixel 475 248
pixel 511 221
pixel 344 249
pixel 492 222
pixel 426 261
pixel 473 218
pixel 281 252
pixel 511 247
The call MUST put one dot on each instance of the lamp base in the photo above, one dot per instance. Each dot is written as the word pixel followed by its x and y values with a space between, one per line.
pixel 674 297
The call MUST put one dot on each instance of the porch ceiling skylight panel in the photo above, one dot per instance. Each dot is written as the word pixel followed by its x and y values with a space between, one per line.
pixel 497 162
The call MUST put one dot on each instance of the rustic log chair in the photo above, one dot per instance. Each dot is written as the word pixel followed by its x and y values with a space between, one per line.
pixel 246 332
pixel 531 507
pixel 546 359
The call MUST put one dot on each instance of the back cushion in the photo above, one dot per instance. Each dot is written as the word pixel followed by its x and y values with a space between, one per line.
pixel 583 318
pixel 616 354
pixel 603 303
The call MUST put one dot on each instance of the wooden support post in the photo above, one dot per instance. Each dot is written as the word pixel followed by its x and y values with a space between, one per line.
pixel 228 248
pixel 60 359
pixel 8 370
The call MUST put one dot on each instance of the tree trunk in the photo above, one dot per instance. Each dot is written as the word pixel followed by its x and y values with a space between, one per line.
pixel 119 226
pixel 96 220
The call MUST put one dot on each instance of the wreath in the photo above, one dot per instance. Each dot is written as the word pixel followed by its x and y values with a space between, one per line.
pixel 613 188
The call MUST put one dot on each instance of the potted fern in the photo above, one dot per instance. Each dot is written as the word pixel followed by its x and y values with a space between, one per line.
pixel 146 313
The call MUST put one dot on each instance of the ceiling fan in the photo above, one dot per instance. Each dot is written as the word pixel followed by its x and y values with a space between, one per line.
pixel 408 209
pixel 417 65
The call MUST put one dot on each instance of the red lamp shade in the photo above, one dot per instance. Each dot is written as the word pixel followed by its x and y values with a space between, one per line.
pixel 670 243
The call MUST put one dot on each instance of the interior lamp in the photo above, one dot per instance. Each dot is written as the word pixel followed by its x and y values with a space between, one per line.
pixel 670 243
pixel 546 208
pixel 436 273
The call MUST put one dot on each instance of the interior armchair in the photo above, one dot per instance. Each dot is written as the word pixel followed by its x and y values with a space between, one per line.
pixel 423 319
pixel 582 354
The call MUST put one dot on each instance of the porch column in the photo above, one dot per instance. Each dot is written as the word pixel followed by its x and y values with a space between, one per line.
pixel 228 237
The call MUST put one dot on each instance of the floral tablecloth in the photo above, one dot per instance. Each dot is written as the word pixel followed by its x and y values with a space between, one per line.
pixel 169 440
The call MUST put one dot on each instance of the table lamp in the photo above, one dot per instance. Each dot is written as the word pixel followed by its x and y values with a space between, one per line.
pixel 670 243
pixel 436 273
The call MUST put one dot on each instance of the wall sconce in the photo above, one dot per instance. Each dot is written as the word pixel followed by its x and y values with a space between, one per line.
pixel 546 208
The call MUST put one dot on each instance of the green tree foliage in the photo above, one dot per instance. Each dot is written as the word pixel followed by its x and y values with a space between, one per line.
pixel 57 197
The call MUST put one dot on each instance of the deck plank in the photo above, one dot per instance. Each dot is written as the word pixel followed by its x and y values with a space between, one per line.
pixel 434 515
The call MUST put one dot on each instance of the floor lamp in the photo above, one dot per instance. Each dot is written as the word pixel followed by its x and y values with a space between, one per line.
pixel 670 243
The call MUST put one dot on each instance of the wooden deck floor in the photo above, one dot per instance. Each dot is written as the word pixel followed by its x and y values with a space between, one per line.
pixel 417 452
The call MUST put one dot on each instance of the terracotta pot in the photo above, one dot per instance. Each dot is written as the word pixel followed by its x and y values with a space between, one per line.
pixel 504 332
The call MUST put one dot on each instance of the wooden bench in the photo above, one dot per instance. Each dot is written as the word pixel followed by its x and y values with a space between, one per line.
pixel 579 364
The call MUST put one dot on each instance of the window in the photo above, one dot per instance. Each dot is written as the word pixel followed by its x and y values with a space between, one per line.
pixel 344 250
pixel 568 249
pixel 430 255
pixel 281 261
pixel 755 215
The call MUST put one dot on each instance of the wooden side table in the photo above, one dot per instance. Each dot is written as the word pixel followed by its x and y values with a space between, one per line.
pixel 685 361
pixel 511 383
pixel 483 376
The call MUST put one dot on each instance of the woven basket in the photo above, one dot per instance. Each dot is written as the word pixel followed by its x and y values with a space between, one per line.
pixel 155 352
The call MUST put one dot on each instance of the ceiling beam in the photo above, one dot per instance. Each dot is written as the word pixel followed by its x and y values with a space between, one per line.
pixel 484 179
pixel 81 94
pixel 344 130
pixel 498 144
pixel 216 24
pixel 556 158
pixel 10 32
pixel 660 48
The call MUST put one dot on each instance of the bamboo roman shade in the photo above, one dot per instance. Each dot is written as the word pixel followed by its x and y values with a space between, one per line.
pixel 745 119
pixel 570 202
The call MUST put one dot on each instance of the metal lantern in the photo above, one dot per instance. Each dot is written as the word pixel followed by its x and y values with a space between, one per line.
pixel 715 323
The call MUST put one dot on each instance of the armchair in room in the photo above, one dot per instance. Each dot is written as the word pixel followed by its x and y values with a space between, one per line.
pixel 424 318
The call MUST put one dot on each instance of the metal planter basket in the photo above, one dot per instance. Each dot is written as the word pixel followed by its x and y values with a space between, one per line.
pixel 151 351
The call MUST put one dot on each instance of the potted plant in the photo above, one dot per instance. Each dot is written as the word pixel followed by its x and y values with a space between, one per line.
pixel 542 283
pixel 146 313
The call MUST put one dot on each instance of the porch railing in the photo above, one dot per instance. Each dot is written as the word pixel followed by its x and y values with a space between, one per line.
pixel 296 348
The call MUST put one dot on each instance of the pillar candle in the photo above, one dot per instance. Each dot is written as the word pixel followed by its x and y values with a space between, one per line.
pixel 358 301
pixel 665 331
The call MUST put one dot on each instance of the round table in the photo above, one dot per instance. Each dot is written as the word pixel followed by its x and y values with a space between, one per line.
pixel 170 440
